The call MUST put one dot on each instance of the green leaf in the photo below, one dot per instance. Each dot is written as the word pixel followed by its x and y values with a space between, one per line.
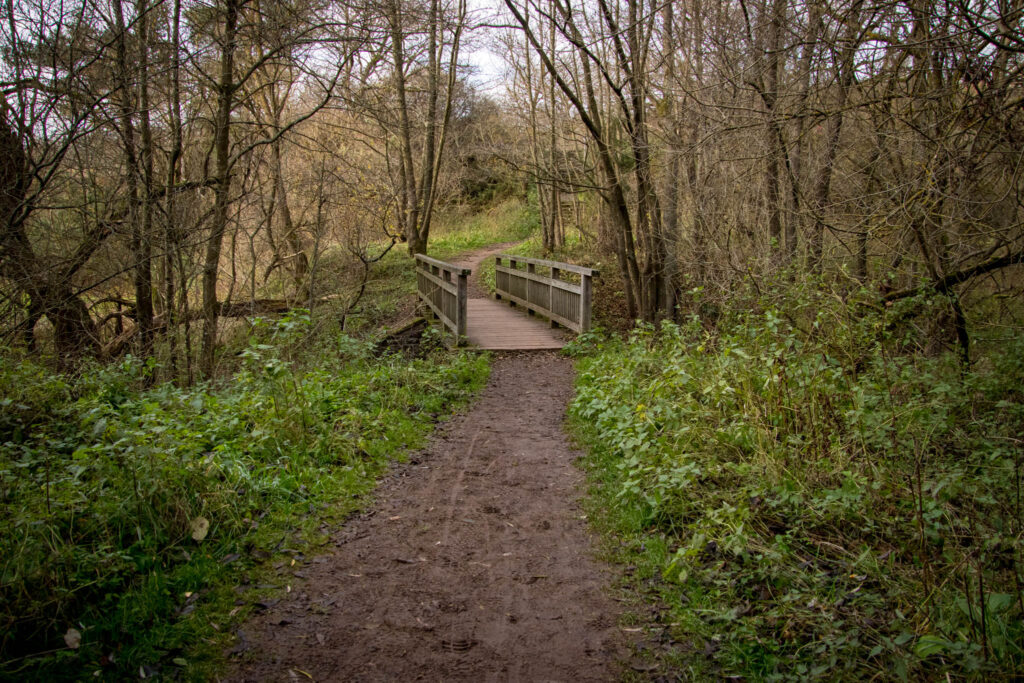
pixel 928 645
pixel 998 602
pixel 903 638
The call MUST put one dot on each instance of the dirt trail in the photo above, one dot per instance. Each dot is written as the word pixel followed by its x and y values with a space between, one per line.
pixel 476 259
pixel 474 565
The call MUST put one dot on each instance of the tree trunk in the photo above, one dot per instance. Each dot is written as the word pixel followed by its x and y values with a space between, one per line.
pixel 172 243
pixel 773 175
pixel 801 147
pixel 834 130
pixel 144 266
pixel 222 186
pixel 531 95
pixel 429 144
pixel 142 274
pixel 298 262
pixel 408 207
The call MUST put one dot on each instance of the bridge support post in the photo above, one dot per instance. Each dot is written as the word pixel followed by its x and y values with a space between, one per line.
pixel 586 296
pixel 461 298
pixel 556 274
pixel 513 264
pixel 497 289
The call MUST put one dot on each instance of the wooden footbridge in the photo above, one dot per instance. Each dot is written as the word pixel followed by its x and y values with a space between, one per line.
pixel 560 292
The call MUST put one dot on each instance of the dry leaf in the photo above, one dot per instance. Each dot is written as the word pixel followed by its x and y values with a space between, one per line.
pixel 200 527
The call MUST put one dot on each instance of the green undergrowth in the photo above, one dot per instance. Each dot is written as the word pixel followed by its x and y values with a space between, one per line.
pixel 137 524
pixel 798 493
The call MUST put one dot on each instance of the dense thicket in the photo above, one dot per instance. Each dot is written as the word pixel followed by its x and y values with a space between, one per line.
pixel 877 142
pixel 164 162
pixel 162 158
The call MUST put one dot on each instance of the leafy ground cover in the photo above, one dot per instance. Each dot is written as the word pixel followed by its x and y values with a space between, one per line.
pixel 129 515
pixel 798 492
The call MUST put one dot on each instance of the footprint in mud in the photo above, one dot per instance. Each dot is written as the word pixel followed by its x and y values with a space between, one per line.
pixel 459 645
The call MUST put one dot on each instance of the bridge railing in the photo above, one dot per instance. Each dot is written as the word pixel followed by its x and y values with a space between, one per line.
pixel 443 287
pixel 556 298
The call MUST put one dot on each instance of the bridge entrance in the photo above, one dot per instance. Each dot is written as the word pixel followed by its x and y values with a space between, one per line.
pixel 533 288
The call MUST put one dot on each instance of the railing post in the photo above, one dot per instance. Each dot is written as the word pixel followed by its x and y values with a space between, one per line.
pixel 513 265
pixel 531 268
pixel 585 300
pixel 460 308
pixel 446 275
pixel 434 289
pixel 555 273
pixel 497 262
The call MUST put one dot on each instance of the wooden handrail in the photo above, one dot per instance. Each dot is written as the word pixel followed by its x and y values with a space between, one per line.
pixel 458 270
pixel 562 302
pixel 444 288
pixel 569 267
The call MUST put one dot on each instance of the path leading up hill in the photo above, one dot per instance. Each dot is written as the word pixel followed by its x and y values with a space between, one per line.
pixel 474 565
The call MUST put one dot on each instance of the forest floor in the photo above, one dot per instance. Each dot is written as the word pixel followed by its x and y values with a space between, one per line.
pixel 475 563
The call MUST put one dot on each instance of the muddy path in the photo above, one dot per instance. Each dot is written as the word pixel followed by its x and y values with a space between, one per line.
pixel 474 564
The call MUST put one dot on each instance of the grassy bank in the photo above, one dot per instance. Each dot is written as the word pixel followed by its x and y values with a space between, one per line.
pixel 798 493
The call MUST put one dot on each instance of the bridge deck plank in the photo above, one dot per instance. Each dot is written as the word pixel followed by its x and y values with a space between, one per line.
pixel 496 326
